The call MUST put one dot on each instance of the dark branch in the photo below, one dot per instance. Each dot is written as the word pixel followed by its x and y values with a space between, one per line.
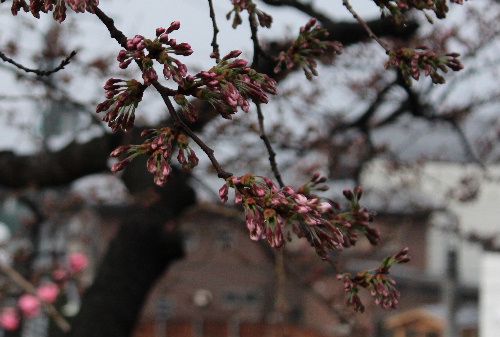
pixel 58 168
pixel 262 130
pixel 214 44
pixel 39 72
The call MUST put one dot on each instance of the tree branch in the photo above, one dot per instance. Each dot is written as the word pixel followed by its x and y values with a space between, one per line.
pixel 214 44
pixel 39 72
pixel 57 168
pixel 365 26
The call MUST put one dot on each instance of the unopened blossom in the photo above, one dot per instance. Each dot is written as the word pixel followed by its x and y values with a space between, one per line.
pixel 48 292
pixel 230 85
pixel 123 97
pixel 411 62
pixel 312 43
pixel 29 305
pixel 78 262
pixel 9 319
pixel 159 147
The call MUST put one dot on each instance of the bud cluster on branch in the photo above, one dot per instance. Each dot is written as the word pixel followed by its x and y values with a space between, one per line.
pixel 123 97
pixel 265 20
pixel 378 282
pixel 272 213
pixel 230 84
pixel 313 42
pixel 398 9
pixel 57 6
pixel 413 61
pixel 159 146
pixel 160 50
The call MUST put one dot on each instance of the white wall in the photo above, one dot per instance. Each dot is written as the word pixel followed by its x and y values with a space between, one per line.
pixel 489 309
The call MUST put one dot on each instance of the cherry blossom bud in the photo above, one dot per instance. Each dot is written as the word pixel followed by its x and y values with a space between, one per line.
pixel 173 26
pixel 120 165
pixel 9 319
pixel 160 31
pixel 119 151
pixel 223 193
pixel 29 305
pixel 78 262
pixel 348 195
pixel 232 54
pixel 48 293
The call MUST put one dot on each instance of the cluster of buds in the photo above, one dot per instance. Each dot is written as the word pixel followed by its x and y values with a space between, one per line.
pixel 313 42
pixel 412 61
pixel 271 213
pixel 81 6
pixel 265 20
pixel 122 99
pixel 29 305
pixel 159 146
pixel 231 84
pixel 57 6
pixel 378 282
pixel 398 9
pixel 159 49
pixel 335 230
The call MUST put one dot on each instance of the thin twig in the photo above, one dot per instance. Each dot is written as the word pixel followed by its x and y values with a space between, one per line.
pixel 24 284
pixel 255 39
pixel 269 147
pixel 365 26
pixel 39 72
pixel 215 45
pixel 262 131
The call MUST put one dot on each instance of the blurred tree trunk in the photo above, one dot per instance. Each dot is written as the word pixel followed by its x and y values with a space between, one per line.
pixel 142 250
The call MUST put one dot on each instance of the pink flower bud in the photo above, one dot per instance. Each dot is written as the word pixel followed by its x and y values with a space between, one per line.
pixel 239 63
pixel 348 194
pixel 232 54
pixel 120 165
pixel 29 305
pixel 223 192
pixel 78 262
pixel 325 207
pixel 164 38
pixel 160 31
pixel 174 26
pixel 48 292
pixel 151 164
pixel 9 319
pixel 119 151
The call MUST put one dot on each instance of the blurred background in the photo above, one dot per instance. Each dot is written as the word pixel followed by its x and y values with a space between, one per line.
pixel 173 261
